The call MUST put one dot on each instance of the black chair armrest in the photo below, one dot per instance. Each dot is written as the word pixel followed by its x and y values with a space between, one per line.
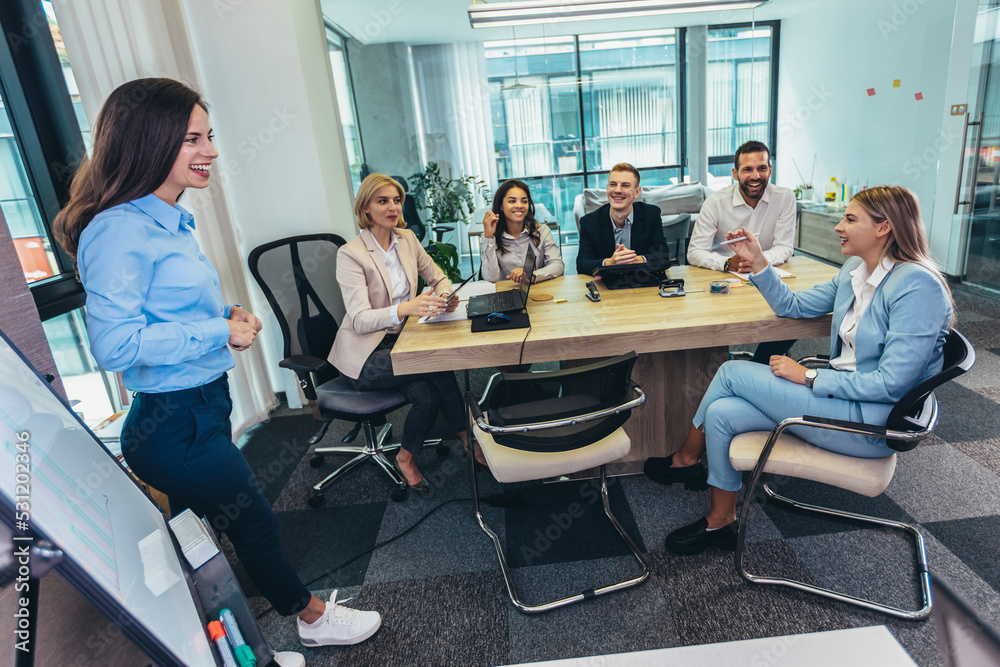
pixel 303 363
pixel 819 361
pixel 901 441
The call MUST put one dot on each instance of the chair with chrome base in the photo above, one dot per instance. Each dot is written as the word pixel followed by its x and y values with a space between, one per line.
pixel 912 419
pixel 535 426
pixel 298 276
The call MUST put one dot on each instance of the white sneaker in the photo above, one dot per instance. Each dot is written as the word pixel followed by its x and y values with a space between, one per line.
pixel 290 659
pixel 340 626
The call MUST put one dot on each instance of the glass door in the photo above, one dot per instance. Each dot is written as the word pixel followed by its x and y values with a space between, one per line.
pixel 979 190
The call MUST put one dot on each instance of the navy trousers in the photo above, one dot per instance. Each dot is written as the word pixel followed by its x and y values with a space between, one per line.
pixel 181 444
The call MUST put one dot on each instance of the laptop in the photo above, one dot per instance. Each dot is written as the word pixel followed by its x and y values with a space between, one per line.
pixel 509 300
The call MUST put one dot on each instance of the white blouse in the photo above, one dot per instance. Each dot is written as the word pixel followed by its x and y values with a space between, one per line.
pixel 397 276
pixel 864 284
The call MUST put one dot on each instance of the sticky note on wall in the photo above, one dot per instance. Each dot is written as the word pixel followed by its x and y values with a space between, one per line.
pixel 919 96
pixel 871 92
pixel 895 83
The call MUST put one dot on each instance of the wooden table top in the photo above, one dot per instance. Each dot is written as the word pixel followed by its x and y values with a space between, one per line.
pixel 629 319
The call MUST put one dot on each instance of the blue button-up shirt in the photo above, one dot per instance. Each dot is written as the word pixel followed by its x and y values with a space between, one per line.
pixel 154 307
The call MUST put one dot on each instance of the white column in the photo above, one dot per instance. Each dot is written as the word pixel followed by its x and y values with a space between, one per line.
pixel 696 55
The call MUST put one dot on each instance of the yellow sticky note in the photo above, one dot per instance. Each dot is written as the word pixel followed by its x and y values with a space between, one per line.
pixel 895 83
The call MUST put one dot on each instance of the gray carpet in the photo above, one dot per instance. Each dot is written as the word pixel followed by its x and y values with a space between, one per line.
pixel 443 600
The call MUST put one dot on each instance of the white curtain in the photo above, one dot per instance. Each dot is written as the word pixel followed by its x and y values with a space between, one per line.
pixel 110 42
pixel 454 103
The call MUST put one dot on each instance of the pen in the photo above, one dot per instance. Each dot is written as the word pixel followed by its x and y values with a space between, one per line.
pixel 244 654
pixel 731 241
pixel 218 635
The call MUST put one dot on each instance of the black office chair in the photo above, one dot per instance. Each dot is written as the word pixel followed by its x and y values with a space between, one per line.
pixel 676 230
pixel 911 420
pixel 410 214
pixel 535 426
pixel 298 276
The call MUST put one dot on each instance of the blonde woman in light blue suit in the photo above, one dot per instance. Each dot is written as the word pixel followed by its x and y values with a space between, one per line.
pixel 892 310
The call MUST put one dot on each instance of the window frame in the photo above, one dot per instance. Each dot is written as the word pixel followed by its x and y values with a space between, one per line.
pixel 330 28
pixel 772 135
pixel 47 133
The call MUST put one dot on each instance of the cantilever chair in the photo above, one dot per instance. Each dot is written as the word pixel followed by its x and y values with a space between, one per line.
pixel 534 426
pixel 298 276
pixel 912 419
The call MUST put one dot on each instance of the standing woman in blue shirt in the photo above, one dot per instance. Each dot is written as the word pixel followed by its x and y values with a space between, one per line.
pixel 508 229
pixel 155 314
pixel 892 311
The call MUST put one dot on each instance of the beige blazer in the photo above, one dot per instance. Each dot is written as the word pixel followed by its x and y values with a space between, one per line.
pixel 366 288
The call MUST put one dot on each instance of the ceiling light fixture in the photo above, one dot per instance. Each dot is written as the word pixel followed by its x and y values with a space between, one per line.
pixel 530 12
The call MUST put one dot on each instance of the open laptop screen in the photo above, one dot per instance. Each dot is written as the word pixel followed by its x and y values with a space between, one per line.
pixel 529 271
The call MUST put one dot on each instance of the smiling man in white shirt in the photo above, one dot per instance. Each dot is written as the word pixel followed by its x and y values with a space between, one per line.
pixel 752 202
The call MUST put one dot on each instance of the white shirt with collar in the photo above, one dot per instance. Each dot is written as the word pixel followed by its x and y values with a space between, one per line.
pixel 548 258
pixel 864 284
pixel 772 221
pixel 400 291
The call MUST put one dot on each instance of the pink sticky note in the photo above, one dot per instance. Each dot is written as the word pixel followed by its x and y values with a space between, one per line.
pixel 919 96
pixel 871 92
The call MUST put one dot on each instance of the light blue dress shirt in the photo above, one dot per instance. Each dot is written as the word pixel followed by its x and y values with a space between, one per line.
pixel 154 307
pixel 623 236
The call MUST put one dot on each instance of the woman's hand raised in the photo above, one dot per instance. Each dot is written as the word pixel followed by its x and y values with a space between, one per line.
pixel 748 250
pixel 490 224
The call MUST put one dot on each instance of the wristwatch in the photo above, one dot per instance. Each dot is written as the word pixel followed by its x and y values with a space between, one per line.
pixel 810 377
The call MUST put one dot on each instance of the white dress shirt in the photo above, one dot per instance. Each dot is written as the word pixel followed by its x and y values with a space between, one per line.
pixel 400 291
pixel 772 221
pixel 548 258
pixel 864 285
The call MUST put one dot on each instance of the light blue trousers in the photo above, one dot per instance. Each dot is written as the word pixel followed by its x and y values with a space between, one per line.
pixel 745 396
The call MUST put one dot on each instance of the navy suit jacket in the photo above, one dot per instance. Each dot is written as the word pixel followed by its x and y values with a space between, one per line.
pixel 900 339
pixel 597 239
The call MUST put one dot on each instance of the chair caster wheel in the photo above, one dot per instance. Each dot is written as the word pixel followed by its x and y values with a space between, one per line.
pixel 316 461
pixel 398 495
pixel 316 500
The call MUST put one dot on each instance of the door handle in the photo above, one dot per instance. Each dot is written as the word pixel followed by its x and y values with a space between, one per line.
pixel 961 163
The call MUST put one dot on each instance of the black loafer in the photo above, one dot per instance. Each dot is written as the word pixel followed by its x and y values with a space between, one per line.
pixel 695 538
pixel 657 468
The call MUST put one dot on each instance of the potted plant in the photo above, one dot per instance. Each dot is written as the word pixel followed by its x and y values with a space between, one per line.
pixel 447 202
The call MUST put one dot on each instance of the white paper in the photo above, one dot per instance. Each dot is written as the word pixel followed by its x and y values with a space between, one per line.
pixel 474 288
pixel 781 274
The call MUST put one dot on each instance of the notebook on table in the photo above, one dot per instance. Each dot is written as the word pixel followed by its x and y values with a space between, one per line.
pixel 509 300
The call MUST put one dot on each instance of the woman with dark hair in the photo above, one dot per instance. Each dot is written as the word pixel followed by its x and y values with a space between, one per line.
pixel 155 313
pixel 892 310
pixel 507 231
pixel 377 271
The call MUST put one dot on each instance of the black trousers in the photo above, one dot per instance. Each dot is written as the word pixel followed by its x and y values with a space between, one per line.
pixel 427 393
pixel 181 443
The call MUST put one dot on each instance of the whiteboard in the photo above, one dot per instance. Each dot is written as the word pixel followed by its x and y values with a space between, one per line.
pixel 81 500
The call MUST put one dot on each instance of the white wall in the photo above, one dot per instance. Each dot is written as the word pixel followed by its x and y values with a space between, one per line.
pixel 828 60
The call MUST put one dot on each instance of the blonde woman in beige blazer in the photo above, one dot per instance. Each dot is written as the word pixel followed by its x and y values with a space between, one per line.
pixel 377 272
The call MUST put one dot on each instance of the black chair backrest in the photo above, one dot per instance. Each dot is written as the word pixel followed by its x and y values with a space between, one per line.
pixel 298 276
pixel 959 356
pixel 523 398
pixel 410 215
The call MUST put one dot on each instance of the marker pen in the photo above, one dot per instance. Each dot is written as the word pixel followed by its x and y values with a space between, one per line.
pixel 218 635
pixel 244 654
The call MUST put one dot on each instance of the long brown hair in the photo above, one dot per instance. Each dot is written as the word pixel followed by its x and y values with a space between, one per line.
pixel 529 220
pixel 138 134
pixel 908 240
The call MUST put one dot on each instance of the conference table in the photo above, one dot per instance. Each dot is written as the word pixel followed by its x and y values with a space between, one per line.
pixel 681 341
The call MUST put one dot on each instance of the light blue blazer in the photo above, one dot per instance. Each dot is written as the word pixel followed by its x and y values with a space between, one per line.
pixel 900 337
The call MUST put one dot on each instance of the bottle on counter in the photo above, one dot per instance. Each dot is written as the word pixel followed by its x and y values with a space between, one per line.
pixel 832 191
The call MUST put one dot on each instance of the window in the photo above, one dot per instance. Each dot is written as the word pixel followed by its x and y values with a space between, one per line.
pixel 566 109
pixel 741 92
pixel 345 103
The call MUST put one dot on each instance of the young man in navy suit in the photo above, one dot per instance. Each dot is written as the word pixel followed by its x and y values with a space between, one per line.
pixel 623 231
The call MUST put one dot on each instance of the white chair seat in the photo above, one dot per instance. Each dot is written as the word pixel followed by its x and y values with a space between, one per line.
pixel 514 465
pixel 795 457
